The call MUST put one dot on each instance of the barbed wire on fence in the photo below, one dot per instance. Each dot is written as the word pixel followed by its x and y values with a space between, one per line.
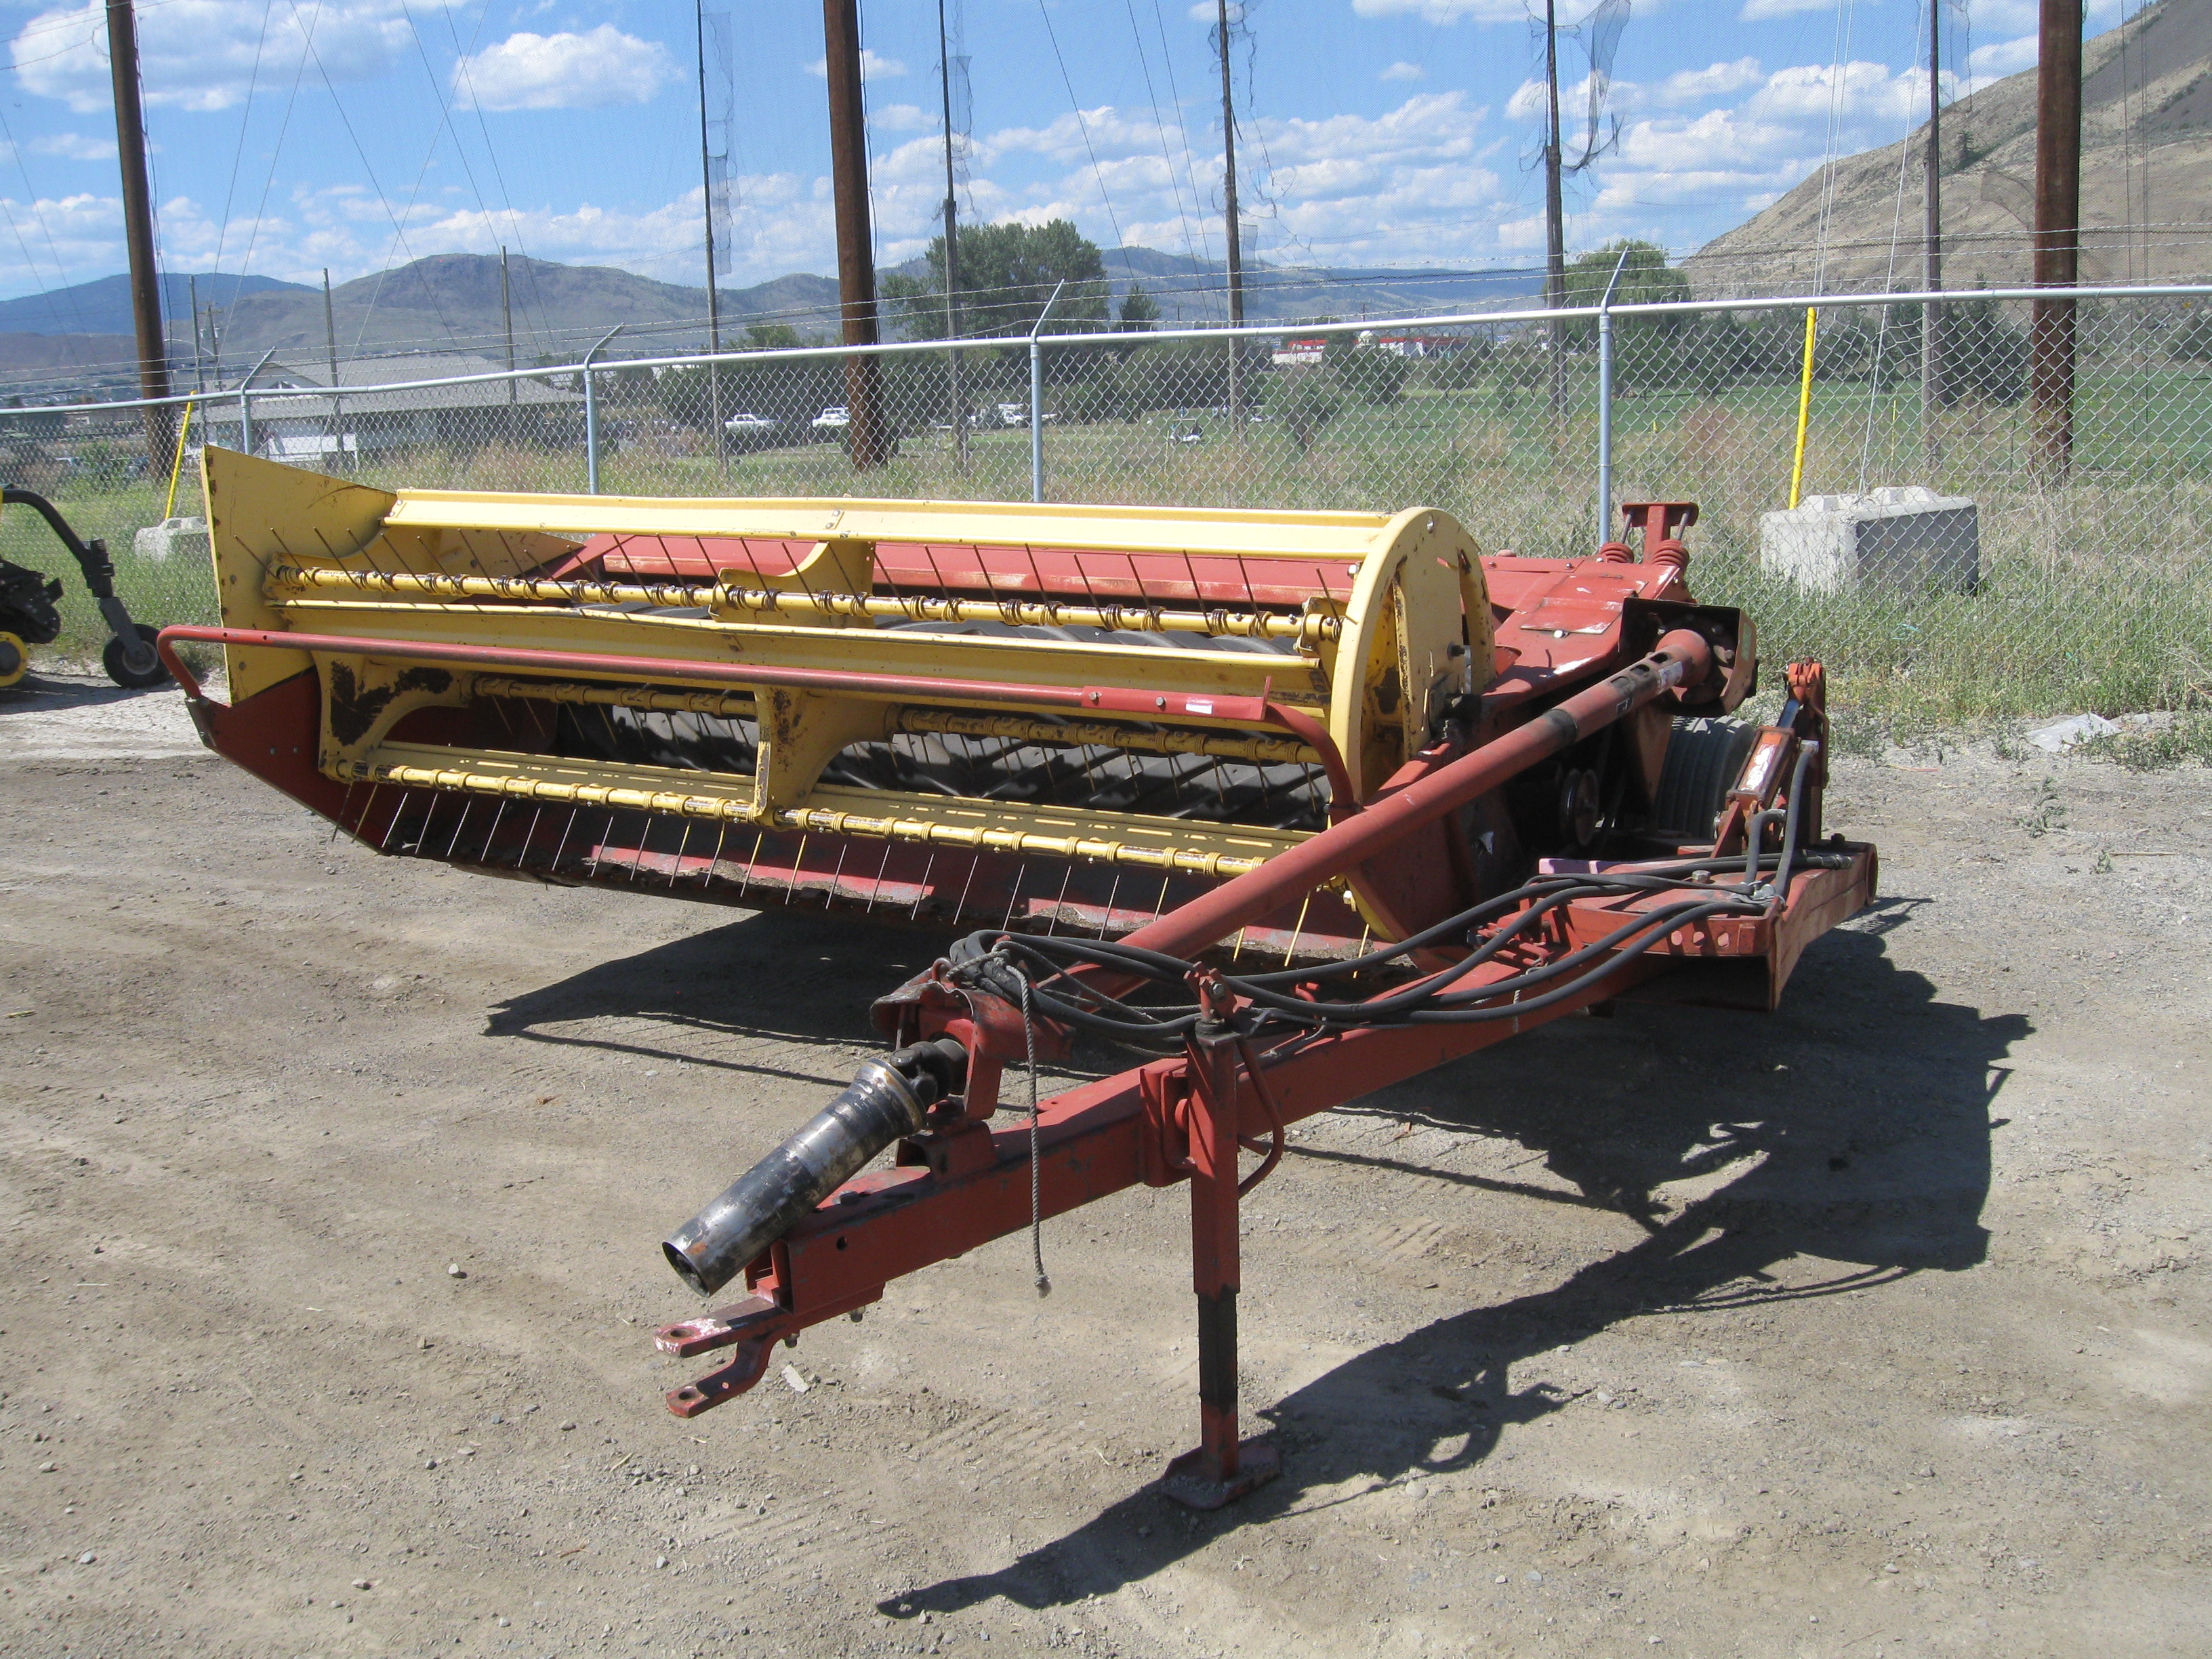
pixel 1940 562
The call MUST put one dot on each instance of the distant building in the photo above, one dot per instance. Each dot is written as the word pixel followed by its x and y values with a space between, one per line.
pixel 1416 345
pixel 1291 352
pixel 297 418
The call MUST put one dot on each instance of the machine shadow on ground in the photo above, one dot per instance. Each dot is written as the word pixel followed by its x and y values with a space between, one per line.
pixel 1870 1156
pixel 35 695
pixel 779 975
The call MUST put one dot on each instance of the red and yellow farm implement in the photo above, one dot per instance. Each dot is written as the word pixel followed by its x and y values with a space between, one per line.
pixel 1299 804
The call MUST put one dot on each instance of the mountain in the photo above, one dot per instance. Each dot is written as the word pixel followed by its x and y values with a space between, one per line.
pixel 453 300
pixel 2145 182
pixel 103 305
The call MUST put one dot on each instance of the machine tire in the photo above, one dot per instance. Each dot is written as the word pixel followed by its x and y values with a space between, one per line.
pixel 1704 757
pixel 14 660
pixel 110 659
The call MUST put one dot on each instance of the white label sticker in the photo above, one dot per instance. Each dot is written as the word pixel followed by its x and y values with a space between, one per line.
pixel 1198 705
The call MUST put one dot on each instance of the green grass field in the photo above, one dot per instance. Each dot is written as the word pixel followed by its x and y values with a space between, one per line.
pixel 2095 595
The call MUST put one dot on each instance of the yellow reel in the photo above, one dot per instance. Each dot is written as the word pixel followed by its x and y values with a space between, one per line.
pixel 14 660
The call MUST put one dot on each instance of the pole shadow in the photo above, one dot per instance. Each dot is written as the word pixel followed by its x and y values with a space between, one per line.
pixel 1870 1152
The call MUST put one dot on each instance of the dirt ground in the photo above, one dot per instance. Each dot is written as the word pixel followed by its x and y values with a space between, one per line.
pixel 1874 1327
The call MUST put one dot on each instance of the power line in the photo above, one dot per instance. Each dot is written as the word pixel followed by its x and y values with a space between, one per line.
pixel 1084 126
pixel 1144 62
pixel 514 220
pixel 244 122
pixel 291 102
pixel 61 271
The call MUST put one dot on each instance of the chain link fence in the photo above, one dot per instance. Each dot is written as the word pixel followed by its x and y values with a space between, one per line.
pixel 1949 563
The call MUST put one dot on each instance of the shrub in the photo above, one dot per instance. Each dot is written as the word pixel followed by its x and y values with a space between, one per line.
pixel 1304 399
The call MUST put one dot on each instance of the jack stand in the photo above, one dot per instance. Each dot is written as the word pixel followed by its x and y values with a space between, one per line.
pixel 1221 1470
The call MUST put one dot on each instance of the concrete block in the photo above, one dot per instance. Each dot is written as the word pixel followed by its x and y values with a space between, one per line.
pixel 1906 539
pixel 186 538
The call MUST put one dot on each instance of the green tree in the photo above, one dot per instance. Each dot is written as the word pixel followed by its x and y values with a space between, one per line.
pixel 1304 399
pixel 771 337
pixel 1461 370
pixel 1008 274
pixel 1139 314
pixel 1366 371
pixel 1646 278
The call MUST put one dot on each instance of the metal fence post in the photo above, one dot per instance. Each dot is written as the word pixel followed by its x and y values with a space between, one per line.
pixel 1605 403
pixel 245 401
pixel 592 417
pixel 1604 424
pixel 1036 399
pixel 1036 422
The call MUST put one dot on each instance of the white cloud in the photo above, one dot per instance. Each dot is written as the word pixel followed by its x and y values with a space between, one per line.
pixel 787 224
pixel 1766 11
pixel 2003 58
pixel 200 54
pixel 73 147
pixel 902 118
pixel 1443 12
pixel 1403 71
pixel 1693 86
pixel 566 71
pixel 1861 91
pixel 874 66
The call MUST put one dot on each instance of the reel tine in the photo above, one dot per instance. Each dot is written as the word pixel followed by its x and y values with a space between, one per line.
pixel 553 868
pixel 467 806
pixel 758 841
pixel 530 834
pixel 367 810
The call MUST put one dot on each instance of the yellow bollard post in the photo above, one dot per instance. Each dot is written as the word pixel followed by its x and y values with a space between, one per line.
pixel 176 466
pixel 1804 407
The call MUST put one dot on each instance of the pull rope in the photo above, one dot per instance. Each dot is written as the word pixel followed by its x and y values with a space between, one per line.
pixel 1036 1181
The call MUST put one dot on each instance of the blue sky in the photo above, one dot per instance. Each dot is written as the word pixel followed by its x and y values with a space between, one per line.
pixel 292 135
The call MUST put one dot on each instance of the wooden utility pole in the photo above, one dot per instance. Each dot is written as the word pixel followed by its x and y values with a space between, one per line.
pixel 1555 226
pixel 868 440
pixel 2057 234
pixel 138 233
pixel 1236 242
pixel 951 250
pixel 199 365
pixel 330 345
pixel 506 323
pixel 1932 399
pixel 717 433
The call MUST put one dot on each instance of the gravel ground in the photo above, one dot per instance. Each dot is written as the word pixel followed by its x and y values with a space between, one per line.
pixel 332 1184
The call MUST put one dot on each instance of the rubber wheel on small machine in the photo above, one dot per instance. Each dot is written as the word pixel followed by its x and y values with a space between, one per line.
pixel 14 660
pixel 1704 757
pixel 121 672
